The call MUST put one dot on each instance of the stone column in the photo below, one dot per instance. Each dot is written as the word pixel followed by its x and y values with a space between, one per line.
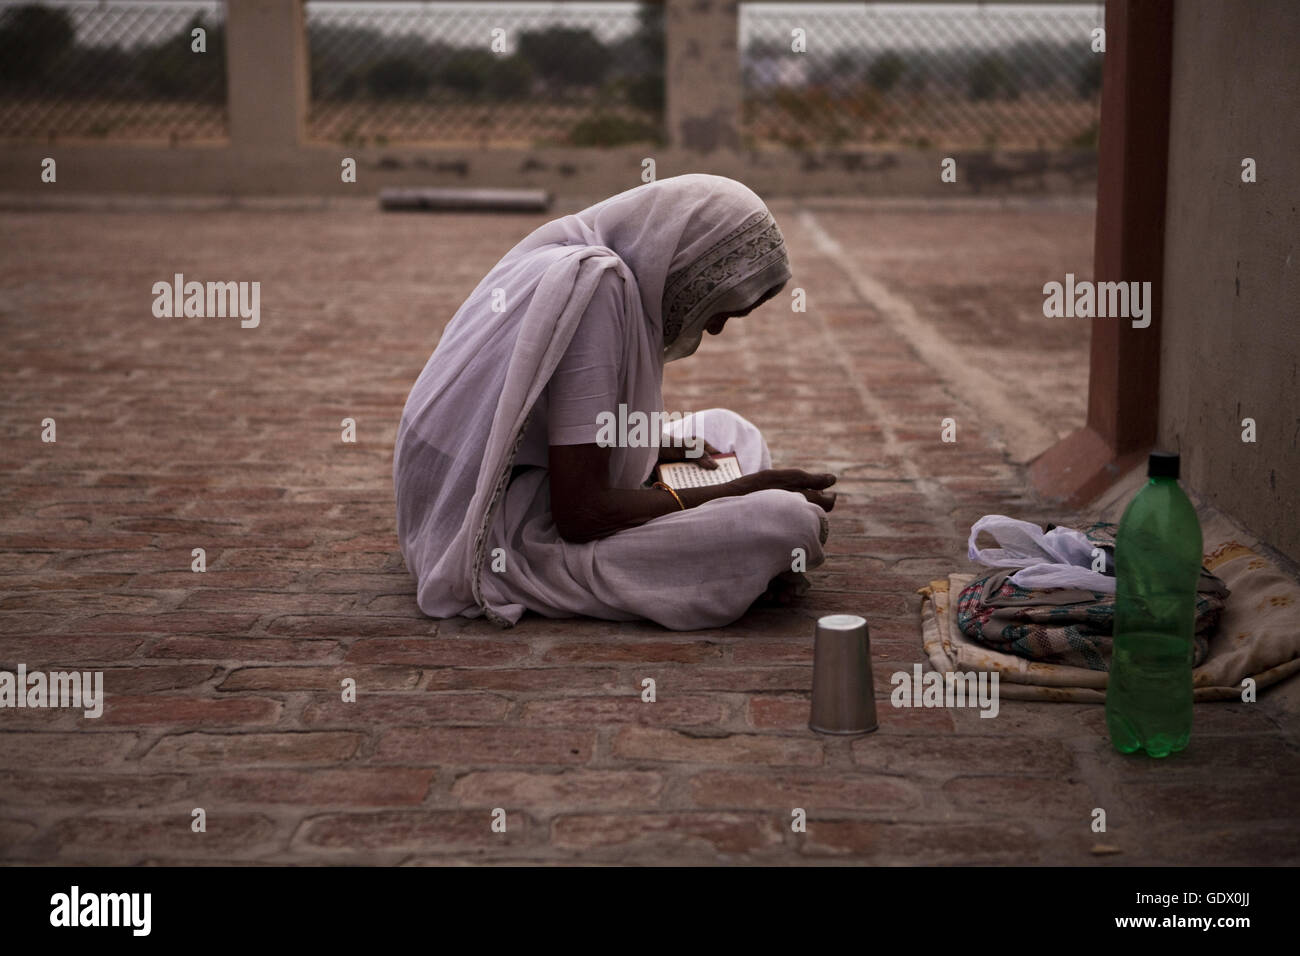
pixel 702 73
pixel 267 72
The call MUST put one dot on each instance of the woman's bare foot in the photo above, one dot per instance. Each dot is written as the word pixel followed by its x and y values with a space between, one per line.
pixel 784 589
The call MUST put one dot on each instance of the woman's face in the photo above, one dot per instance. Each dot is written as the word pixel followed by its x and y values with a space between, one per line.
pixel 717 322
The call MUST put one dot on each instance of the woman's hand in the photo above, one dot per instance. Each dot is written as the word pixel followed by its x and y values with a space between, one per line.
pixel 671 453
pixel 811 486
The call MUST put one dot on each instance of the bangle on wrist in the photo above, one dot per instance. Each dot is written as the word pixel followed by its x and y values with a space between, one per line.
pixel 676 497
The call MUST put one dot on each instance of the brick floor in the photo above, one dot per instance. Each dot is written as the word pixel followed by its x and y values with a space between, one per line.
pixel 223 687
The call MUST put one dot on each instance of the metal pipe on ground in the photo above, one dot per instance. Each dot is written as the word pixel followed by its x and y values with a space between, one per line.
pixel 464 200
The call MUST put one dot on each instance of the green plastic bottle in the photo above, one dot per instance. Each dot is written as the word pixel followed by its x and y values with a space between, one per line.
pixel 1157 566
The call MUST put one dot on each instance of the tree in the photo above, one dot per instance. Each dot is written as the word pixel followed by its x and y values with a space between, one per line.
pixel 170 69
pixel 467 71
pixel 645 88
pixel 397 77
pixel 885 71
pixel 32 38
pixel 511 77
pixel 566 56
pixel 1088 81
pixel 989 78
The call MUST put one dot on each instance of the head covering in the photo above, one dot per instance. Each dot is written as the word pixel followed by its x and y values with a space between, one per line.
pixel 698 245
pixel 686 249
pixel 732 276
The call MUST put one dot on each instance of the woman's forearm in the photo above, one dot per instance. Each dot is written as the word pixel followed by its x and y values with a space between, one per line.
pixel 615 509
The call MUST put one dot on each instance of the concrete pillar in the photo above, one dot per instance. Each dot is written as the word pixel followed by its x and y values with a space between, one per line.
pixel 702 72
pixel 267 72
pixel 1132 155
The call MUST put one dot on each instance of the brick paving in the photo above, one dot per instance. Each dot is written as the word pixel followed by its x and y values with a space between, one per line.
pixel 223 687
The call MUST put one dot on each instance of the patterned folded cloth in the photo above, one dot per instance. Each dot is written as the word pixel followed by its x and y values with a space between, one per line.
pixel 1068 626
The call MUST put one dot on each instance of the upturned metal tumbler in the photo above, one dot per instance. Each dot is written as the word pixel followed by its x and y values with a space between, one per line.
pixel 843 695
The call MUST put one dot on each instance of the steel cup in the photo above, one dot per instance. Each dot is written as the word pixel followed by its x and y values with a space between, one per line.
pixel 843 695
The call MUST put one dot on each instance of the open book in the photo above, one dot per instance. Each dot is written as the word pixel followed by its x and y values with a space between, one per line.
pixel 689 474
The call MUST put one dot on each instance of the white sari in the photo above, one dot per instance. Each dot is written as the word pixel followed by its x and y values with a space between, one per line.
pixel 478 543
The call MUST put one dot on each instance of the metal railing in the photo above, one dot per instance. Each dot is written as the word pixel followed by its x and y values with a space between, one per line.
pixel 922 75
pixel 500 74
pixel 112 70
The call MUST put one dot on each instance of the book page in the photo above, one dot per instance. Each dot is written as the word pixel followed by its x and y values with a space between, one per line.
pixel 688 474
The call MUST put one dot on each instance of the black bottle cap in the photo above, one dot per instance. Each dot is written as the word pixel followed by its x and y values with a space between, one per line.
pixel 1162 464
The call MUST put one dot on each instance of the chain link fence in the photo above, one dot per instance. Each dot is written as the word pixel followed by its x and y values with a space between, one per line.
pixel 869 76
pixel 100 70
pixel 486 74
pixel 899 76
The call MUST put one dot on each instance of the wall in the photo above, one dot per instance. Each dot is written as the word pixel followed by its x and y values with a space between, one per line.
pixel 1230 346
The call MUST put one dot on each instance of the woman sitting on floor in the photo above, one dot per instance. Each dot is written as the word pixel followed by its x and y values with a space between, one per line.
pixel 508 496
